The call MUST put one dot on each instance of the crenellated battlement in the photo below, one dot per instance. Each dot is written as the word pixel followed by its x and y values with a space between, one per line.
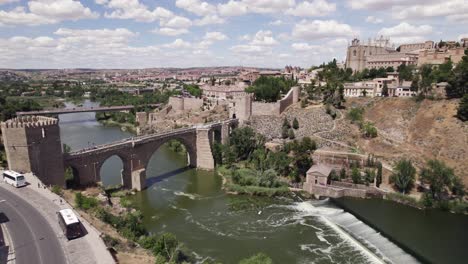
pixel 30 122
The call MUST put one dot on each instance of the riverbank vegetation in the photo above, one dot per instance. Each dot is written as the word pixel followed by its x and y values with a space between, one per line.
pixel 248 167
pixel 132 234
pixel 440 186
pixel 112 97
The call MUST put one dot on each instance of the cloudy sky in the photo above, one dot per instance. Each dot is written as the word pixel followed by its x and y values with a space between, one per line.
pixel 187 33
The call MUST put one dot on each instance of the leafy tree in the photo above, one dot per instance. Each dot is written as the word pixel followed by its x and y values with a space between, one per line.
pixel 244 141
pixel 385 90
pixel 355 114
pixel 333 176
pixel 66 148
pixel 259 258
pixel 286 123
pixel 356 175
pixel 379 174
pixel 218 153
pixel 279 161
pixel 458 82
pixel 462 111
pixel 302 163
pixel 284 132
pixel 403 175
pixel 193 89
pixel 370 131
pixel 168 247
pixel 405 73
pixel 415 84
pixel 439 177
pixel 343 174
pixel 369 176
pixel 259 159
pixel 269 89
pixel 295 123
pixel 426 79
pixel 291 134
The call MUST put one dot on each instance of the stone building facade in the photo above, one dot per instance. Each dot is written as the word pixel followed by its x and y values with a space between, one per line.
pixel 357 53
pixel 32 144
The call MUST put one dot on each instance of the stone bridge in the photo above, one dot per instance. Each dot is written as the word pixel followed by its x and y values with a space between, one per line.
pixel 136 153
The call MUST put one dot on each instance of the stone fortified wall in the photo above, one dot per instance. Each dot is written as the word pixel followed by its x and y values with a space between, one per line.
pixel 185 103
pixel 32 144
pixel 277 108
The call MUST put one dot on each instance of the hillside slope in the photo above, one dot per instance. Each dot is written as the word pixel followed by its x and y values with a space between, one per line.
pixel 418 130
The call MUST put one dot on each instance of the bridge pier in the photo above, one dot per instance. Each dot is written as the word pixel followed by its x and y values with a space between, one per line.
pixel 204 155
pixel 139 179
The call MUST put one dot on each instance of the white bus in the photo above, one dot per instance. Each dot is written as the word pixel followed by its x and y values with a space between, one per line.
pixel 69 223
pixel 14 178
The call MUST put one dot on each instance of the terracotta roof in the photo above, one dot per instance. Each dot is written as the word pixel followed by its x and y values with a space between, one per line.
pixel 321 168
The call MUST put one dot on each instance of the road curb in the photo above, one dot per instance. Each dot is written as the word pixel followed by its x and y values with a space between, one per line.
pixel 9 243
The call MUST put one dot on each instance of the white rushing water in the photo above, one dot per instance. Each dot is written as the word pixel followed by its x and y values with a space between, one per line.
pixel 376 247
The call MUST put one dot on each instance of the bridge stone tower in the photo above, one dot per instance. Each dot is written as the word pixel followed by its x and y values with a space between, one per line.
pixel 32 144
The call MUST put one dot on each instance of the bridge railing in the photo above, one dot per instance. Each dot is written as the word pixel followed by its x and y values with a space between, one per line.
pixel 139 139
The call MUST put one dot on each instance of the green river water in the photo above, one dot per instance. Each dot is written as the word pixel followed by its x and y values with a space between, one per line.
pixel 227 228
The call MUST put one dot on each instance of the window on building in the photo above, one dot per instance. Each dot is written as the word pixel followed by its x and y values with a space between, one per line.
pixel 354 53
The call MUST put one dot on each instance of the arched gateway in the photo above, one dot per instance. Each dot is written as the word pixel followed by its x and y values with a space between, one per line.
pixel 136 152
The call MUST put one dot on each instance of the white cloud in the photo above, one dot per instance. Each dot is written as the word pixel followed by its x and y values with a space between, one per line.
pixel 178 44
pixel 176 22
pixel 317 29
pixel 232 8
pixel 311 9
pixel 303 46
pixel 46 12
pixel 406 33
pixel 374 20
pixel 250 49
pixel 462 36
pixel 263 38
pixel 405 30
pixel 215 36
pixel 241 7
pixel 445 9
pixel 209 20
pixel 197 7
pixel 133 9
pixel 170 31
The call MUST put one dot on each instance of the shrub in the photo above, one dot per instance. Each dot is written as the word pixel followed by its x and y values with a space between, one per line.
pixel 403 175
pixel 84 202
pixel 284 132
pixel 109 241
pixel 57 190
pixel 295 123
pixel 370 131
pixel 148 242
pixel 291 134
pixel 355 114
pixel 356 175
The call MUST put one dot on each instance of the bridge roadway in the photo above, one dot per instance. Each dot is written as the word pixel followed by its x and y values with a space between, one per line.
pixel 143 139
pixel 34 240
pixel 81 110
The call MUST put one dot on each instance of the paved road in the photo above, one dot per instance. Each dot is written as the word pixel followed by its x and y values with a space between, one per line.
pixel 34 241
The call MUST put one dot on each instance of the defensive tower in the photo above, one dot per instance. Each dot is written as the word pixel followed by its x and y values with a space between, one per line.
pixel 32 144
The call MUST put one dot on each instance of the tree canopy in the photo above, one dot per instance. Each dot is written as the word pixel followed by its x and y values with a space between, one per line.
pixel 403 175
pixel 269 89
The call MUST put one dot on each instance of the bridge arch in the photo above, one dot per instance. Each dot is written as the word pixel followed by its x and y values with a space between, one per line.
pixel 110 170
pixel 152 148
